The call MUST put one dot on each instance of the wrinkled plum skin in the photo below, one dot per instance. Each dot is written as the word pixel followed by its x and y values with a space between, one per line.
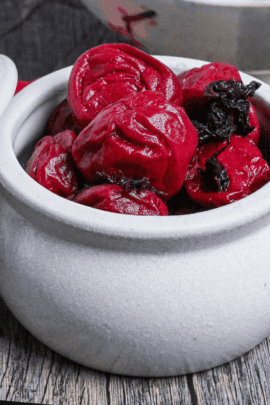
pixel 61 119
pixel 254 122
pixel 51 164
pixel 246 168
pixel 143 136
pixel 110 72
pixel 113 198
pixel 194 81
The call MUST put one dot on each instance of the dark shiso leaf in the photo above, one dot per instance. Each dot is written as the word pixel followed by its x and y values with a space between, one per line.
pixel 230 92
pixel 219 125
pixel 127 184
pixel 233 98
pixel 215 176
pixel 226 110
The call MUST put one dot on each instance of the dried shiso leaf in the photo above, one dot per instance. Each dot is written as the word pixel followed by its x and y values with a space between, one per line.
pixel 219 125
pixel 226 111
pixel 127 184
pixel 215 176
pixel 233 96
pixel 231 92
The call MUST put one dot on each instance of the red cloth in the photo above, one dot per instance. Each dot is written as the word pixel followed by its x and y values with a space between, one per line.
pixel 21 85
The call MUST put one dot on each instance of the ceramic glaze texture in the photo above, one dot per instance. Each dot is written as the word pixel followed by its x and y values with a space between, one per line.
pixel 215 30
pixel 142 296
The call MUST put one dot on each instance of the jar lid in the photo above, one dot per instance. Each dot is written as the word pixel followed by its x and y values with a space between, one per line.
pixel 8 82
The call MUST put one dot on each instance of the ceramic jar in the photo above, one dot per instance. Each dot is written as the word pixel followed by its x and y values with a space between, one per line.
pixel 141 296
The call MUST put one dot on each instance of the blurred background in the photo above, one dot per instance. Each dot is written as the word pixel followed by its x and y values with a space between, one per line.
pixel 41 36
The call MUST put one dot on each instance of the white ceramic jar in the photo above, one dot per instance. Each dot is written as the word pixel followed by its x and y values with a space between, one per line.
pixel 232 31
pixel 142 296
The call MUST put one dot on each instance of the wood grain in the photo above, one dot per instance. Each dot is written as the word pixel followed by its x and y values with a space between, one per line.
pixel 31 372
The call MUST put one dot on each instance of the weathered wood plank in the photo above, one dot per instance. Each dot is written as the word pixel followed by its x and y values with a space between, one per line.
pixel 245 380
pixel 32 372
pixel 149 391
pixel 29 371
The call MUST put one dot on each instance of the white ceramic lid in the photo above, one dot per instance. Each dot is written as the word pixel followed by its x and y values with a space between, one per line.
pixel 8 82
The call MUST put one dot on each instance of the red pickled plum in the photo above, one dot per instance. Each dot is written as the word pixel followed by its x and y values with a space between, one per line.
pixel 114 198
pixel 244 167
pixel 51 164
pixel 61 119
pixel 194 81
pixel 143 136
pixel 107 73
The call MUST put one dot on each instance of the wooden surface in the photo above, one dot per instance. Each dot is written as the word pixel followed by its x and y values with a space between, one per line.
pixel 31 372
pixel 42 36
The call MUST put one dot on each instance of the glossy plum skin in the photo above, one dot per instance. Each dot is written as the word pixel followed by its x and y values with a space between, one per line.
pixel 107 73
pixel 127 113
pixel 143 136
pixel 193 85
pixel 246 168
pixel 114 198
pixel 193 82
pixel 61 119
pixel 51 164
pixel 254 122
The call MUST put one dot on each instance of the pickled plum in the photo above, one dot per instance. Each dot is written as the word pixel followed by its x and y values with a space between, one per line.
pixel 107 73
pixel 133 138
pixel 143 136
pixel 52 166
pixel 245 168
pixel 114 198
